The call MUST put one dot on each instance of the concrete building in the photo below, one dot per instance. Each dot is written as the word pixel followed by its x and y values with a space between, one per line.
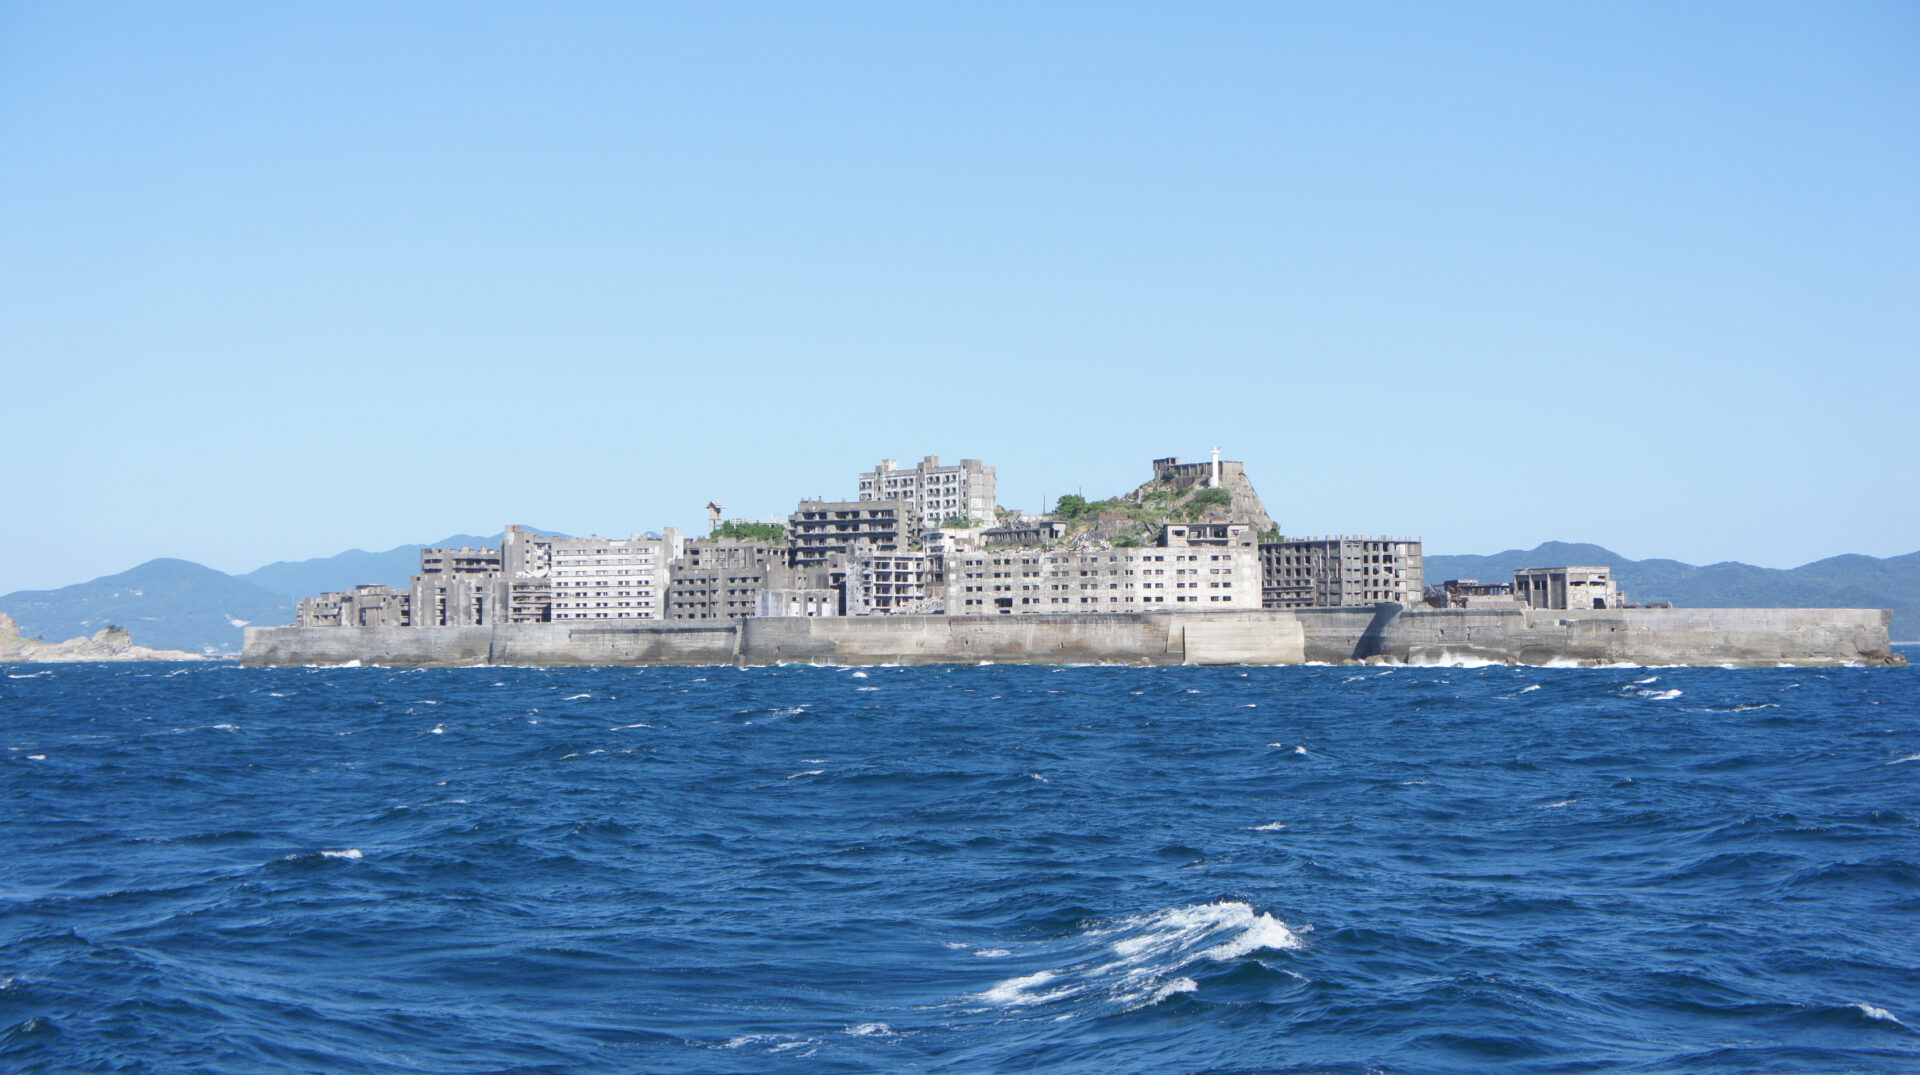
pixel 457 599
pixel 1175 576
pixel 721 579
pixel 796 602
pixel 881 583
pixel 1024 532
pixel 596 578
pixel 1472 593
pixel 1567 588
pixel 937 493
pixel 363 606
pixel 1342 571
pixel 819 528
pixel 460 561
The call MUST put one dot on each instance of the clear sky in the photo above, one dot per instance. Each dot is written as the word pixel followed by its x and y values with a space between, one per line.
pixel 278 280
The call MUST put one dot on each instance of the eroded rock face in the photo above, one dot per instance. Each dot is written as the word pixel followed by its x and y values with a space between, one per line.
pixel 107 644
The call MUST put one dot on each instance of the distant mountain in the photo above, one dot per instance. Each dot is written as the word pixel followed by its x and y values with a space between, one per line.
pixel 164 604
pixel 1836 582
pixel 343 571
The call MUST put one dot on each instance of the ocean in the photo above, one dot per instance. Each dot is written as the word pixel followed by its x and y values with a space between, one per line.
pixel 959 869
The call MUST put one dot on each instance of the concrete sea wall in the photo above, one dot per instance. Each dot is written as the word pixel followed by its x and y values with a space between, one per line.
pixel 1386 633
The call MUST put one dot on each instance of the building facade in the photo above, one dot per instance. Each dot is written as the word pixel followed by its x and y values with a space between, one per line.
pixel 1175 576
pixel 596 578
pixel 819 528
pixel 1340 572
pixel 937 493
pixel 1567 587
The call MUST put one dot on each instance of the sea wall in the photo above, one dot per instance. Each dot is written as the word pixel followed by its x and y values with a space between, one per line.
pixel 1117 638
pixel 1737 636
pixel 1388 633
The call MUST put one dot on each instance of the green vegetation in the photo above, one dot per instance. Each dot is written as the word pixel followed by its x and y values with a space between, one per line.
pixel 1125 542
pixel 1071 506
pixel 959 522
pixel 1271 536
pixel 770 533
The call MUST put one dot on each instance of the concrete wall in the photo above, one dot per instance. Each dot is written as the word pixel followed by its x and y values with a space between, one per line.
pixel 1388 632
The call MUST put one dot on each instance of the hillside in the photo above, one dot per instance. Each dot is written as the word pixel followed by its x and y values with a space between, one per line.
pixel 1837 582
pixel 163 604
pixel 343 571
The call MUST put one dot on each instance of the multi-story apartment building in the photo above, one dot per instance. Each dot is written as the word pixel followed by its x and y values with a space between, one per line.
pixel 881 583
pixel 937 493
pixel 596 578
pixel 1342 571
pixel 457 588
pixel 721 579
pixel 819 528
pixel 1178 575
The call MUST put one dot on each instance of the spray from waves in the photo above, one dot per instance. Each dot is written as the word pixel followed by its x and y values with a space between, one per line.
pixel 1142 960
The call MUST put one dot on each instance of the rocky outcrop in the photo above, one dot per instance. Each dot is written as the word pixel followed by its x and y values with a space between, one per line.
pixel 107 644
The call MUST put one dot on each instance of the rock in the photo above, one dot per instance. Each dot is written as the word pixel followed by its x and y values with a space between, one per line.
pixel 107 644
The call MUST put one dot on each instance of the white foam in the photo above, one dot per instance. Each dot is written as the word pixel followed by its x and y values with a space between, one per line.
pixel 870 1030
pixel 1662 696
pixel 1453 660
pixel 1301 749
pixel 36 757
pixel 35 675
pixel 438 729
pixel 991 953
pixel 1271 826
pixel 1882 1014
pixel 349 853
pixel 1910 757
pixel 1644 682
pixel 226 727
pixel 1020 990
pixel 575 697
pixel 1175 988
pixel 624 727
pixel 859 675
pixel 806 772
pixel 1530 687
pixel 1562 802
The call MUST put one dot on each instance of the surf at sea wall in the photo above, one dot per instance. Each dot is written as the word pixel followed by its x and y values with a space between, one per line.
pixel 959 868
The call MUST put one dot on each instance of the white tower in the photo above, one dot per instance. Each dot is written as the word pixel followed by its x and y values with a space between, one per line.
pixel 1214 482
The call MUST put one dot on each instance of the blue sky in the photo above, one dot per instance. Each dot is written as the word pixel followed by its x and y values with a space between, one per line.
pixel 280 280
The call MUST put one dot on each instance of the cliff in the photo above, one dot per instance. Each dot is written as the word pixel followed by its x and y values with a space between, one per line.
pixel 107 644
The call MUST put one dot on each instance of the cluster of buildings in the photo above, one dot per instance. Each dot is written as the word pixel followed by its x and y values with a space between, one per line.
pixel 925 539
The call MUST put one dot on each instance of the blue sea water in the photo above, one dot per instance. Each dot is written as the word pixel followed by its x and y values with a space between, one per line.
pixel 959 869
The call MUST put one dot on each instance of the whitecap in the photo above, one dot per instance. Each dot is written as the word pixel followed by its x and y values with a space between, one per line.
pixel 869 1030
pixel 1881 1014
pixel 349 853
pixel 1301 749
pixel 1910 757
pixel 1644 682
pixel 438 729
pixel 1562 802
pixel 1530 687
pixel 36 757
pixel 1175 988
pixel 624 727
pixel 859 675
pixel 575 697
pixel 1019 991
pixel 991 953
pixel 806 772
pixel 1271 826
pixel 866 688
